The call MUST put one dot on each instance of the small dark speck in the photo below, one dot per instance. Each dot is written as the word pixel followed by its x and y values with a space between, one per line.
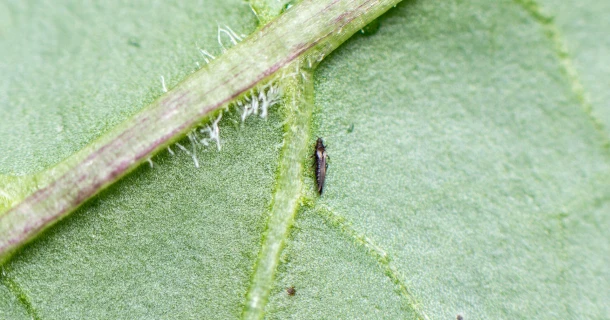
pixel 350 129
pixel 291 291
pixel 459 317
pixel 133 42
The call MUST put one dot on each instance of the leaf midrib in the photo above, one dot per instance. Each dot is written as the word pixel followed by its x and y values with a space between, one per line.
pixel 565 62
pixel 322 26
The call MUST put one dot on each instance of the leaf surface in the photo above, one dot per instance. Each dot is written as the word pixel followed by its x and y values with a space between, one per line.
pixel 580 29
pixel 471 163
pixel 467 175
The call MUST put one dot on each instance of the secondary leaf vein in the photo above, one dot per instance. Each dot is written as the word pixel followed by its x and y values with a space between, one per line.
pixel 560 47
pixel 382 257
pixel 298 106
pixel 18 292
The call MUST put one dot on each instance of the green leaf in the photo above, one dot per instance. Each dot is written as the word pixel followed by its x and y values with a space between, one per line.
pixel 471 163
pixel 468 173
pixel 250 77
pixel 579 31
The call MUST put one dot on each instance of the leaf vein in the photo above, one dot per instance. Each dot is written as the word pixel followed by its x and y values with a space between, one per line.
pixel 565 60
pixel 383 258
pixel 18 292
pixel 298 106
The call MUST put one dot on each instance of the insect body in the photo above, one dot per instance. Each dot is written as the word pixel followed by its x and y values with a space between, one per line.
pixel 320 163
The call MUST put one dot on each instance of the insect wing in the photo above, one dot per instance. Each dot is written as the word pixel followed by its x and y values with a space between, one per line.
pixel 321 169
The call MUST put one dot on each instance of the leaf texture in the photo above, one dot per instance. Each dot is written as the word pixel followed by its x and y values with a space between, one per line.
pixel 468 174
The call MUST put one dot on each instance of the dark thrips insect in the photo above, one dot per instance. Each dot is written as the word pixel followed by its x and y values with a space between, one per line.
pixel 320 163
